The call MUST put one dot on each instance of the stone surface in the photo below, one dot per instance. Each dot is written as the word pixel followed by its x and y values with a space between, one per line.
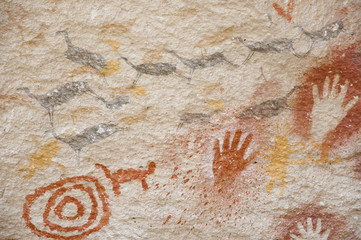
pixel 180 119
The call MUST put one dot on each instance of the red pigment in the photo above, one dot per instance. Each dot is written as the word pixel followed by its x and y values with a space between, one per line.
pixel 335 223
pixel 168 218
pixel 347 64
pixel 126 175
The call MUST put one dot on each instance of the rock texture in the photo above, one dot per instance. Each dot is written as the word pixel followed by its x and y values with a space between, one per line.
pixel 180 119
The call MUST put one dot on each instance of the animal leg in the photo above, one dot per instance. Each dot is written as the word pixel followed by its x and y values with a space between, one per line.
pixel 190 75
pixel 230 63
pixel 77 153
pixel 136 79
pixel 180 75
pixel 51 116
pixel 248 57
pixel 180 125
pixel 104 80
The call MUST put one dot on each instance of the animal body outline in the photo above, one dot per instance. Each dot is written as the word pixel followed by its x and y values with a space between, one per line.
pixel 194 117
pixel 81 55
pixel 201 63
pixel 88 136
pixel 60 95
pixel 268 108
pixel 331 30
pixel 275 45
pixel 155 69
pixel 126 175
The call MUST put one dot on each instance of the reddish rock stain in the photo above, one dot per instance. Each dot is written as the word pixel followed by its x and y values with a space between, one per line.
pixel 347 64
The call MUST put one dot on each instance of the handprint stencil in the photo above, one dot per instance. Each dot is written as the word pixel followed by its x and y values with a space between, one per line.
pixel 328 110
pixel 309 234
pixel 230 162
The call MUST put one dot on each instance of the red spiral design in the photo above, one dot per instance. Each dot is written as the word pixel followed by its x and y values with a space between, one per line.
pixel 54 223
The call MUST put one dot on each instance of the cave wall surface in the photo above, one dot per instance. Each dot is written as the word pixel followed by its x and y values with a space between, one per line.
pixel 180 119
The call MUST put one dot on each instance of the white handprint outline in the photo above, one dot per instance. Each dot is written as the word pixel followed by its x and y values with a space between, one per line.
pixel 310 234
pixel 329 110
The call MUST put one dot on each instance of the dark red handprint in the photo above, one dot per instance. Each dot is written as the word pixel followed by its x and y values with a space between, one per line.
pixel 229 163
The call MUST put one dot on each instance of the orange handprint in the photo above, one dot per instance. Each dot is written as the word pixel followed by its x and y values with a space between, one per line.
pixel 229 163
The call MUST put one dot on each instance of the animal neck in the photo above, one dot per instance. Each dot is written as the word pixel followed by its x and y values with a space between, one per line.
pixel 27 91
pixel 302 30
pixel 128 62
pixel 67 39
pixel 291 92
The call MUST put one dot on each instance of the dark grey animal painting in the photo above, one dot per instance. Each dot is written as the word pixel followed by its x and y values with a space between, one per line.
pixel 81 55
pixel 88 136
pixel 60 95
pixel 269 46
pixel 116 103
pixel 200 63
pixel 188 118
pixel 268 108
pixel 326 33
pixel 67 92
pixel 155 69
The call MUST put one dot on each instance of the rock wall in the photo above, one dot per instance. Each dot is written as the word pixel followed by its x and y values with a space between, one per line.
pixel 180 119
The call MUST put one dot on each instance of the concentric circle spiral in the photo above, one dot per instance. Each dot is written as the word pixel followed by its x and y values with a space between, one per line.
pixel 71 208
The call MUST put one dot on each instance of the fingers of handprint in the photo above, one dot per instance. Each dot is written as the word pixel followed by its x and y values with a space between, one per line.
pixel 309 225
pixel 318 226
pixel 343 91
pixel 236 139
pixel 294 237
pixel 325 235
pixel 245 144
pixel 351 103
pixel 334 84
pixel 301 229
pixel 226 141
pixel 316 98
pixel 326 87
pixel 217 153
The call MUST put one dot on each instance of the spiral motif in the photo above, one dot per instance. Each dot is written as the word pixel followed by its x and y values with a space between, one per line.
pixel 74 208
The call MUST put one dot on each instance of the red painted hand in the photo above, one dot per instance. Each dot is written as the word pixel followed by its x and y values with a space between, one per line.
pixel 229 163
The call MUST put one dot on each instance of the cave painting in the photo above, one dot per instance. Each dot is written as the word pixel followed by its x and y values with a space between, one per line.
pixel 285 14
pixel 329 109
pixel 58 222
pixel 279 159
pixel 309 233
pixel 42 158
pixel 229 162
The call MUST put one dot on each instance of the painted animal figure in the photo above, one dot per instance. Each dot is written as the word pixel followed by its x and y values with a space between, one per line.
pixel 155 69
pixel 81 55
pixel 194 117
pixel 268 108
pixel 269 46
pixel 88 136
pixel 115 103
pixel 326 33
pixel 60 95
pixel 200 63
pixel 126 175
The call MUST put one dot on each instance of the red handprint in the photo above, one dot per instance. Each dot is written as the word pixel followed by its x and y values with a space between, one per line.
pixel 229 163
